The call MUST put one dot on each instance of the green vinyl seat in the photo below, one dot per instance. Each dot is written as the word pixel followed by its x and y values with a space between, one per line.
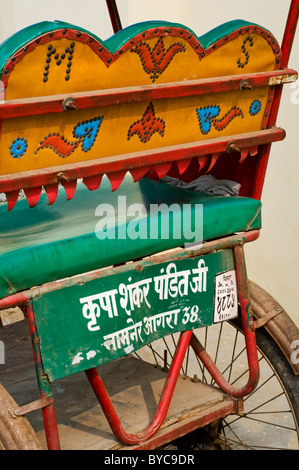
pixel 47 243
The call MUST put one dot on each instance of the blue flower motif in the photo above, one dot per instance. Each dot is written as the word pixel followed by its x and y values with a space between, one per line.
pixel 18 147
pixel 255 107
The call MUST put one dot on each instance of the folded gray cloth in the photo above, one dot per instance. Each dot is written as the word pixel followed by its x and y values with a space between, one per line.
pixel 207 184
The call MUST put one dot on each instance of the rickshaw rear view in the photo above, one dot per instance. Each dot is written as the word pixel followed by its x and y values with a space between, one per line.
pixel 131 175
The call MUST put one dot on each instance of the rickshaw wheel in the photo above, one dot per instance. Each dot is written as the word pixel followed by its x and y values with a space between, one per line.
pixel 15 433
pixel 271 413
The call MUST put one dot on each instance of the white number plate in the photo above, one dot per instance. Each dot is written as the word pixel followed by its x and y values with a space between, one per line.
pixel 226 299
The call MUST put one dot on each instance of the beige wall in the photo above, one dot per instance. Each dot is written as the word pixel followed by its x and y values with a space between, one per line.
pixel 273 261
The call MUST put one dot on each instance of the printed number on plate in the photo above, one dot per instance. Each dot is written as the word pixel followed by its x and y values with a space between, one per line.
pixel 226 299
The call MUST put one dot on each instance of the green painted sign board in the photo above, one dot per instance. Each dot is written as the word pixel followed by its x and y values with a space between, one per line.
pixel 83 326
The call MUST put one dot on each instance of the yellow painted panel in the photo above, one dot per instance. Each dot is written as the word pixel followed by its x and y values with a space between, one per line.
pixel 49 140
pixel 177 121
pixel 89 72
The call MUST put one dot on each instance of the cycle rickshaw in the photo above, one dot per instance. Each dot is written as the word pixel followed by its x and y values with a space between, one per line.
pixel 132 170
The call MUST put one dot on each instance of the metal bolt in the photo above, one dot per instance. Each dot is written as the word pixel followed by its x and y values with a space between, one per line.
pixel 61 178
pixel 232 147
pixel 165 361
pixel 244 85
pixel 15 413
pixel 69 104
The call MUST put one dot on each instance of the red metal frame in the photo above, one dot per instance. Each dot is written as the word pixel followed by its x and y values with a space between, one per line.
pixel 139 94
pixel 187 338
pixel 235 242
pixel 117 166
pixel 249 334
pixel 286 47
pixel 48 411
pixel 114 15
pixel 108 408
pixel 156 161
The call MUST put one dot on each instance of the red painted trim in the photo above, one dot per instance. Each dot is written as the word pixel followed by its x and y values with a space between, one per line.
pixel 126 162
pixel 251 29
pixel 49 416
pixel 157 32
pixel 137 94
pixel 249 334
pixel 287 43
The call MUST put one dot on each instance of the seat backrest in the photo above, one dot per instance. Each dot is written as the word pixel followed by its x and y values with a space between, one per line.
pixel 154 99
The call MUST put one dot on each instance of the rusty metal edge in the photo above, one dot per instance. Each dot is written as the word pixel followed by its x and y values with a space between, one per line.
pixel 280 326
pixel 15 435
pixel 174 431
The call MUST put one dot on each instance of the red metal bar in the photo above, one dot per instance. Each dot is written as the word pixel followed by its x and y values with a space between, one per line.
pixel 114 15
pixel 127 162
pixel 185 339
pixel 138 94
pixel 286 47
pixel 51 430
pixel 249 333
pixel 289 33
pixel 108 408
pixel 49 415
pixel 247 319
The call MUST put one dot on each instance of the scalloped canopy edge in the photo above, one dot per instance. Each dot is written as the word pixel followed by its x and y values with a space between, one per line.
pixel 11 45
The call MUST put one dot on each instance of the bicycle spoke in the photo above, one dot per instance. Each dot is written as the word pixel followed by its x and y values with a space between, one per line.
pixel 264 407
pixel 256 408
pixel 259 387
pixel 239 442
pixel 277 425
pixel 218 343
pixel 155 354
